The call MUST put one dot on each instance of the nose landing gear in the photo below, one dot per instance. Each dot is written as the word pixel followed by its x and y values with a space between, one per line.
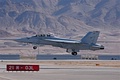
pixel 34 47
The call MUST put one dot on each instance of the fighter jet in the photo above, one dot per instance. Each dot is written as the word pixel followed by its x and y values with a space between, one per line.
pixel 88 42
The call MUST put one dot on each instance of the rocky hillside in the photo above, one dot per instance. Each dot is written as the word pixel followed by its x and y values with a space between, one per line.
pixel 62 17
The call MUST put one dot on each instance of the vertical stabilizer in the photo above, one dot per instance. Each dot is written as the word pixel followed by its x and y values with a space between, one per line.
pixel 90 37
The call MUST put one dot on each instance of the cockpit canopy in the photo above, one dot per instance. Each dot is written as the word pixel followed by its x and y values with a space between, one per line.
pixel 44 35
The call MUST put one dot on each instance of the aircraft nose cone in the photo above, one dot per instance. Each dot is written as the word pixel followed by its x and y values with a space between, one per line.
pixel 18 40
pixel 21 40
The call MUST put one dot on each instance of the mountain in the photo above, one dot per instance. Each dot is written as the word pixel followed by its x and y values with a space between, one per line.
pixel 62 17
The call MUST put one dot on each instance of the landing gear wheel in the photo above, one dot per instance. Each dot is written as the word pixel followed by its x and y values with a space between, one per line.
pixel 34 47
pixel 74 53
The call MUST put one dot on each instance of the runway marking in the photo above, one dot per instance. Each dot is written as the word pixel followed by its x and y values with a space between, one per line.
pixel 4 78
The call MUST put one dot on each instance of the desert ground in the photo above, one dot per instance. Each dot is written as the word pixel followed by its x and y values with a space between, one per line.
pixel 59 69
pixel 63 70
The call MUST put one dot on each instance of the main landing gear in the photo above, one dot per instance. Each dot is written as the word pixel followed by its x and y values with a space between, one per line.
pixel 74 53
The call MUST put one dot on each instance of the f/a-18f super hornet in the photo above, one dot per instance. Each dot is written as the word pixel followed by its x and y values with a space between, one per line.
pixel 88 42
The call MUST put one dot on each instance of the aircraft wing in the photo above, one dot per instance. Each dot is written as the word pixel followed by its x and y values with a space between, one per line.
pixel 63 41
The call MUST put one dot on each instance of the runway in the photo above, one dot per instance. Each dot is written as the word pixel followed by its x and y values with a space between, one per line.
pixel 50 71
